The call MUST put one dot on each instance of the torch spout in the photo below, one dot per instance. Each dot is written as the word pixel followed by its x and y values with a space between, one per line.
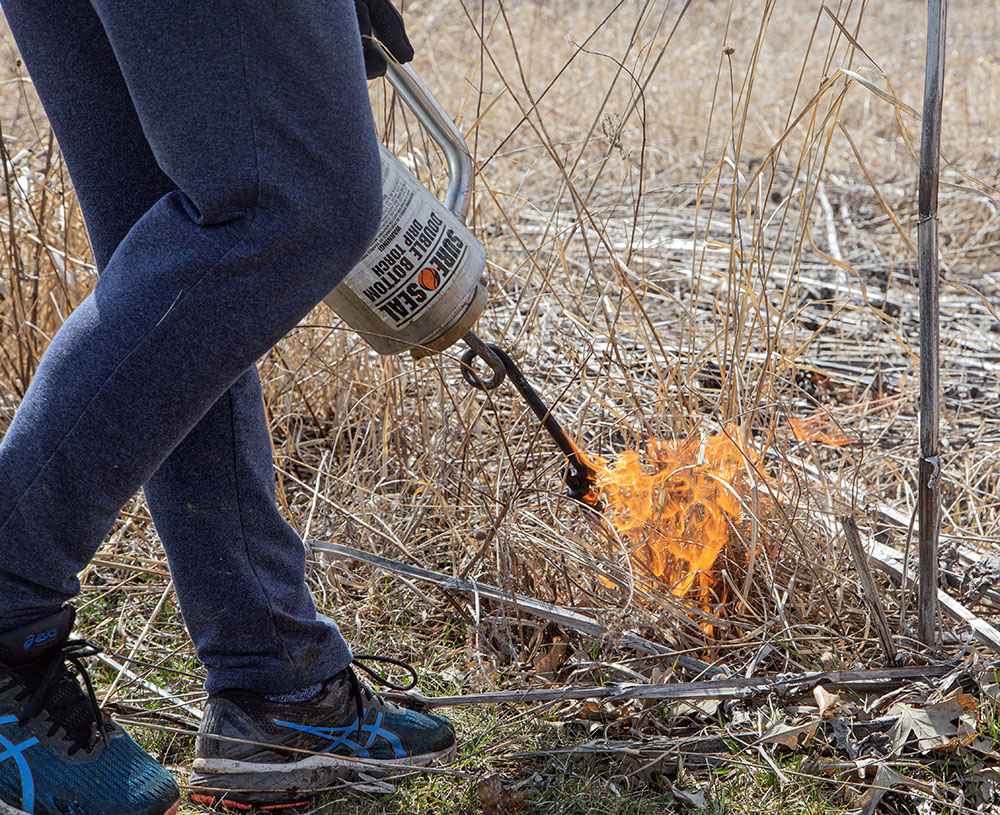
pixel 580 476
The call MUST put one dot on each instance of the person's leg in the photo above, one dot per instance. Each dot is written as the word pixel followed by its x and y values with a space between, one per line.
pixel 343 711
pixel 213 498
pixel 265 225
pixel 238 568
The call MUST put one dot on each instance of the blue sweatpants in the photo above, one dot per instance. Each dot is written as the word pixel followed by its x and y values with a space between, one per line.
pixel 225 160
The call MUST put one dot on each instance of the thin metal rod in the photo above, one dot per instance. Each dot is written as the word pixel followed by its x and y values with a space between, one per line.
pixel 733 688
pixel 929 468
pixel 538 608
pixel 580 477
pixel 485 353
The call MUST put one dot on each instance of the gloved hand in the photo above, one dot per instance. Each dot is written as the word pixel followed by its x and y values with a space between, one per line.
pixel 387 23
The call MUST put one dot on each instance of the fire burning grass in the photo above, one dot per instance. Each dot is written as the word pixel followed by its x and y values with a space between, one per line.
pixel 821 427
pixel 676 506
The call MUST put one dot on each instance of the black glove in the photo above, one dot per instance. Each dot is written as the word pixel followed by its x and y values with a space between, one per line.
pixel 380 18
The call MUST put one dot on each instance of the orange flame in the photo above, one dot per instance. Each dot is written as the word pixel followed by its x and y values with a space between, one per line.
pixel 677 508
pixel 821 427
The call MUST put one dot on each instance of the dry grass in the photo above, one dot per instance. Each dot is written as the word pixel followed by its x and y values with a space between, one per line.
pixel 695 217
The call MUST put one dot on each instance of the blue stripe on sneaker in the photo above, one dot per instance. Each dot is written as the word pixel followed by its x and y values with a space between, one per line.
pixel 16 752
pixel 389 736
pixel 336 735
pixel 339 736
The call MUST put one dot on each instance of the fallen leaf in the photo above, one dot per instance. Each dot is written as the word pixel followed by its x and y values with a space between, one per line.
pixel 945 725
pixel 548 663
pixel 496 799
pixel 693 798
pixel 843 735
pixel 886 779
pixel 490 792
pixel 986 747
pixel 741 717
pixel 989 683
pixel 789 735
pixel 825 700
pixel 985 781
pixel 700 707
pixel 597 711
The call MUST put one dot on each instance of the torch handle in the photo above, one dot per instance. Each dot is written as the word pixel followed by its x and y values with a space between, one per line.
pixel 442 129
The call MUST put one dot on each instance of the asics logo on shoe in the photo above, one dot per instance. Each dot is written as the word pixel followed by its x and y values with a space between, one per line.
pixel 339 737
pixel 36 639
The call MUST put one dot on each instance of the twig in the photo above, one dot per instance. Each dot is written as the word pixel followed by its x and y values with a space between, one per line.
pixel 150 686
pixel 871 597
pixel 786 686
pixel 539 608
pixel 886 559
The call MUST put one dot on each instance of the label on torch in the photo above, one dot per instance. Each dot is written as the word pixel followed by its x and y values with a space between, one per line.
pixel 419 249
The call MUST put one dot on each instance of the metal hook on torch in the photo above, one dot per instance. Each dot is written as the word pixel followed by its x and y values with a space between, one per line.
pixel 580 476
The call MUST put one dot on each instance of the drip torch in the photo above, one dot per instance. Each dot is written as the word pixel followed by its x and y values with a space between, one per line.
pixel 419 287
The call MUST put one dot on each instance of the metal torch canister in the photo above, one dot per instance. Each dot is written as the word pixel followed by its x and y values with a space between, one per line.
pixel 418 288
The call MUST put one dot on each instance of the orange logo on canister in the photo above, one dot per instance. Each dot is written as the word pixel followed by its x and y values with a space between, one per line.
pixel 428 278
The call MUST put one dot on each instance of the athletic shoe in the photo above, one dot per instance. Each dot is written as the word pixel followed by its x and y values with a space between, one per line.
pixel 59 755
pixel 255 753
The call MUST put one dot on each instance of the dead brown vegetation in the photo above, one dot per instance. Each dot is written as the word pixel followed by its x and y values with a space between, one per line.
pixel 696 217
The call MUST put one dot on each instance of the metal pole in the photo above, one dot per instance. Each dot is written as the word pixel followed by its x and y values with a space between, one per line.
pixel 929 469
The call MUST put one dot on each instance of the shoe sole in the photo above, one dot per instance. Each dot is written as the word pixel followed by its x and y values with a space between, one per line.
pixel 7 809
pixel 249 785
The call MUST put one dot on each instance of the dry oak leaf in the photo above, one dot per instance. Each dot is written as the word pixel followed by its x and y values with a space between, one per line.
pixel 950 723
